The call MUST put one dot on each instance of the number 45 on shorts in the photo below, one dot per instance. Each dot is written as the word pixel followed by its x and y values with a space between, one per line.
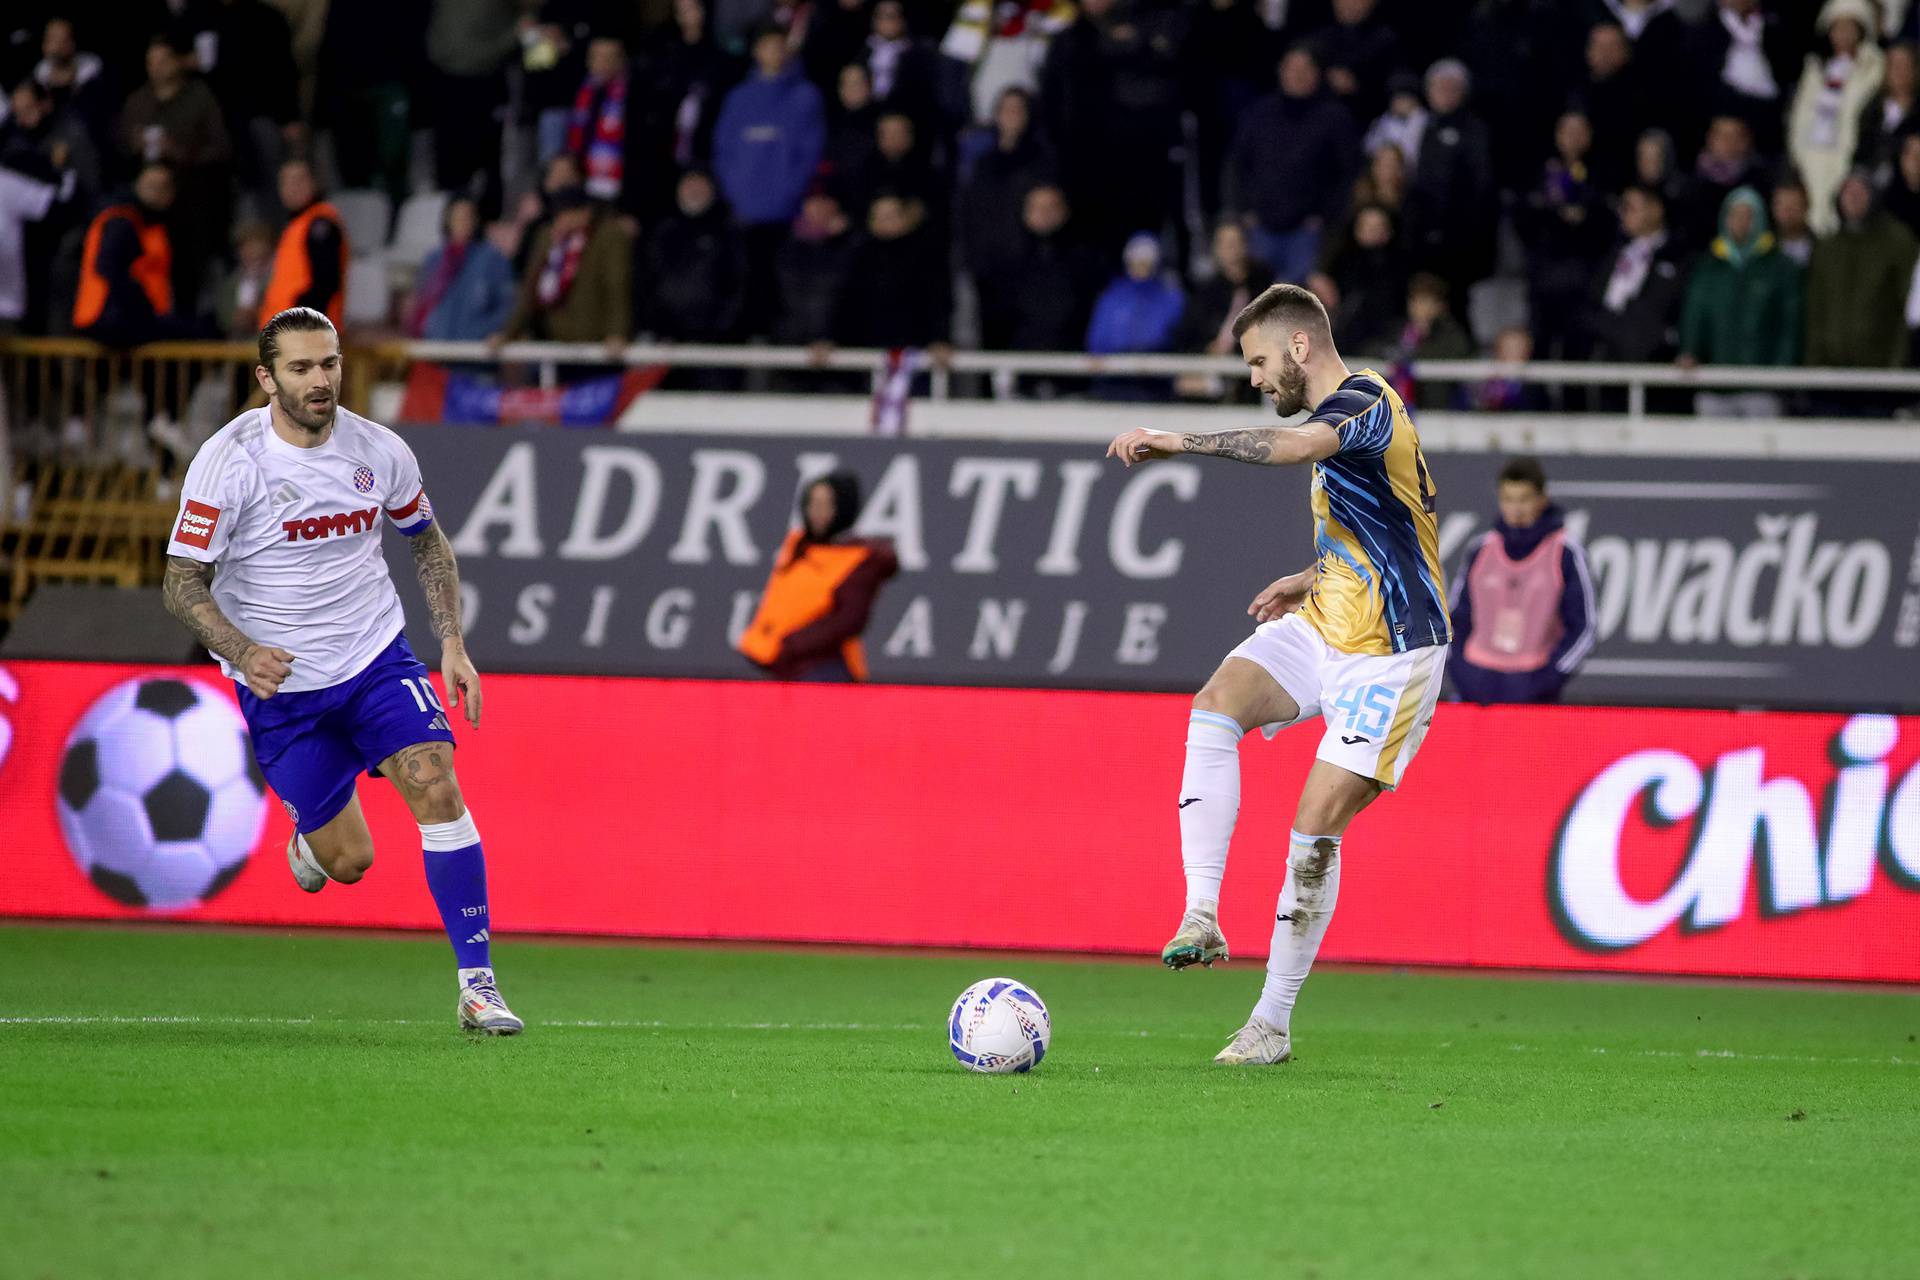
pixel 1368 708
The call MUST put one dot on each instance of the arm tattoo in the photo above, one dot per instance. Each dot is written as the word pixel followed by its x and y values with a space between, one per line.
pixel 189 599
pixel 1254 445
pixel 440 580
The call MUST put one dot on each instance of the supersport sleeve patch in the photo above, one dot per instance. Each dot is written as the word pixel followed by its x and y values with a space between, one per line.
pixel 196 529
pixel 414 517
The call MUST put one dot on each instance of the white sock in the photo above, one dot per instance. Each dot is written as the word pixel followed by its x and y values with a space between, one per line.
pixel 306 855
pixel 1306 907
pixel 1209 803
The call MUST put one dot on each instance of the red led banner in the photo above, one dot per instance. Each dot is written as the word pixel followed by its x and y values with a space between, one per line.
pixel 1781 845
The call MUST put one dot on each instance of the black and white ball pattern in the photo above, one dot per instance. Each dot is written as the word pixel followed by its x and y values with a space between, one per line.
pixel 160 799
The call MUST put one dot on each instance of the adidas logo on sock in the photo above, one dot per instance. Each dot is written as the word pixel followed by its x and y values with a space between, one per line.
pixel 481 936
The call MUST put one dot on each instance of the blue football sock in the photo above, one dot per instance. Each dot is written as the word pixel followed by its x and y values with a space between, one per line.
pixel 457 876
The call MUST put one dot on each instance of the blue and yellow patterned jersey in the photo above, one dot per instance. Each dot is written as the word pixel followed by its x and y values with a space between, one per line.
pixel 1381 588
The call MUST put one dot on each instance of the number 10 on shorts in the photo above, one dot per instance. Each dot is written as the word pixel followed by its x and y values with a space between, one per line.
pixel 423 695
pixel 1369 708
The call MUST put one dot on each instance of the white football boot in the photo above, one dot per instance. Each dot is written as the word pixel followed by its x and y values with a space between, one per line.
pixel 306 872
pixel 1257 1044
pixel 482 1009
pixel 1198 941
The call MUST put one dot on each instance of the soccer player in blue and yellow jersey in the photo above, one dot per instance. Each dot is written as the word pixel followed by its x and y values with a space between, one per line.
pixel 1359 638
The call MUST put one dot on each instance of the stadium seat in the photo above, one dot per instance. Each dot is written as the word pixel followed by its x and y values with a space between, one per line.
pixel 368 299
pixel 367 215
pixel 416 232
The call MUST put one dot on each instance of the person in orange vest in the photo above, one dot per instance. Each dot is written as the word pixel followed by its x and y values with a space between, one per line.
pixel 822 589
pixel 1523 617
pixel 310 265
pixel 124 295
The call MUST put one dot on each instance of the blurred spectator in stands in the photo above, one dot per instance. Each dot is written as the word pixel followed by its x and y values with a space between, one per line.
pixel 246 54
pixel 768 141
pixel 26 200
pixel 44 141
pixel 1839 81
pixel 1450 214
pixel 1634 307
pixel 1430 332
pixel 1040 297
pixel 1523 613
pixel 905 72
pixel 125 292
pixel 73 77
pixel 465 288
pixel 1857 285
pixel 237 302
pixel 603 131
pixel 1138 311
pixel 1745 305
pixel 1207 325
pixel 1654 168
pixel 852 122
pixel 1506 392
pixel 1889 117
pixel 46 149
pixel 553 63
pixel 685 79
pixel 694 278
pixel 1790 230
pixel 1141 172
pixel 812 267
pixel 1230 53
pixel 1077 111
pixel 821 592
pixel 1610 95
pixel 1727 162
pixel 562 173
pixel 1903 192
pixel 835 37
pixel 1367 271
pixel 469 44
pixel 1291 167
pixel 310 264
pixel 1403 123
pixel 1658 38
pixel 368 74
pixel 578 285
pixel 1565 225
pixel 902 165
pixel 898 293
pixel 995 181
pixel 1385 181
pixel 1747 57
pixel 174 119
pixel 1360 53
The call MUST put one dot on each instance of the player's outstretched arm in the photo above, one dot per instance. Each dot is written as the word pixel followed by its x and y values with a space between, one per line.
pixel 189 595
pixel 1264 446
pixel 440 582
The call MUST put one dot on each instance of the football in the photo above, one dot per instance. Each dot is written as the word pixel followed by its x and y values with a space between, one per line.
pixel 999 1025
pixel 160 799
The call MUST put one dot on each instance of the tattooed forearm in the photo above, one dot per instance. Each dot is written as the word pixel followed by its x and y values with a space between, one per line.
pixel 440 580
pixel 1257 445
pixel 190 599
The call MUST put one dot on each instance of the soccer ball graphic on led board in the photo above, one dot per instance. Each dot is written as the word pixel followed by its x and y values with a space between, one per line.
pixel 999 1025
pixel 160 800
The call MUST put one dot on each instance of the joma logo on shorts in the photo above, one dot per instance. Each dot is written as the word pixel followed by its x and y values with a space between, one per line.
pixel 326 526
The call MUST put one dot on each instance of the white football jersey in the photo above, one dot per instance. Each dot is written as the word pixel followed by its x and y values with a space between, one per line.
pixel 295 537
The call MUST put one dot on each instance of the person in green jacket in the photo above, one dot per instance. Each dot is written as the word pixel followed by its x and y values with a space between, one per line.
pixel 1746 305
pixel 1857 285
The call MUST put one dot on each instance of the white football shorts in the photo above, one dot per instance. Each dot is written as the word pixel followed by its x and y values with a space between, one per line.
pixel 1377 709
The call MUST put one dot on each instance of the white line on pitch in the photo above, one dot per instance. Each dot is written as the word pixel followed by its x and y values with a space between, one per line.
pixel 605 1023
pixel 1730 1054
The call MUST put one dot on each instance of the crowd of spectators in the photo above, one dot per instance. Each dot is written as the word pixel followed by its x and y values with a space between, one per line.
pixel 1727 181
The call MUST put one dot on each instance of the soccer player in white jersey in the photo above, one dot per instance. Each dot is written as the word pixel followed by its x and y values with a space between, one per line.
pixel 1359 638
pixel 275 566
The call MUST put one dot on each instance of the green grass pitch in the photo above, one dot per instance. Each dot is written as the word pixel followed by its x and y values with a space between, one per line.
pixel 252 1105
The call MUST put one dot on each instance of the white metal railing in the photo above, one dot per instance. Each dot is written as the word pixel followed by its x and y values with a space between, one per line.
pixel 1635 378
